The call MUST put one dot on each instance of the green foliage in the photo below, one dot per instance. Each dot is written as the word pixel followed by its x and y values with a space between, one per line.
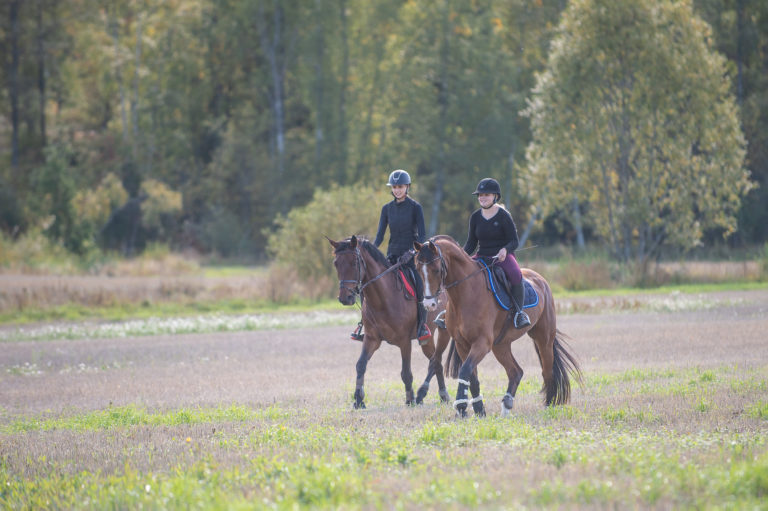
pixel 161 203
pixel 56 186
pixel 34 252
pixel 337 213
pixel 634 117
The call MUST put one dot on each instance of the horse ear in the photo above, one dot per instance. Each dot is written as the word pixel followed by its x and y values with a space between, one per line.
pixel 431 245
pixel 334 244
pixel 417 246
pixel 353 241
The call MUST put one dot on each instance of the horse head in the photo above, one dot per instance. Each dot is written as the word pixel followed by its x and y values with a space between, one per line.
pixel 350 268
pixel 429 261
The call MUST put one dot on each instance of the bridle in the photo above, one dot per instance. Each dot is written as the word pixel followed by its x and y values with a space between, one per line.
pixel 361 267
pixel 444 272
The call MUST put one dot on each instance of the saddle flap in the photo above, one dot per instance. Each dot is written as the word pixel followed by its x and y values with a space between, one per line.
pixel 500 288
pixel 407 285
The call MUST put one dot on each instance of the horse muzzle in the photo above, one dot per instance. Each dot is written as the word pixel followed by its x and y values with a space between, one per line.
pixel 430 303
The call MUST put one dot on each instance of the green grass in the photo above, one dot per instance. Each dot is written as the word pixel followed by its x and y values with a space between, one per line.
pixel 617 455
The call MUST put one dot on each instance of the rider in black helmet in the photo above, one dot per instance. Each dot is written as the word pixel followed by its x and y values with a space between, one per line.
pixel 405 219
pixel 492 228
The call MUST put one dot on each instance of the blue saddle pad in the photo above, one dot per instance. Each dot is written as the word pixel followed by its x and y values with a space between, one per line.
pixel 502 297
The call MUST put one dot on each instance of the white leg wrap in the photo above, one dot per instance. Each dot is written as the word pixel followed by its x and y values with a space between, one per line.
pixel 478 398
pixel 459 402
pixel 465 382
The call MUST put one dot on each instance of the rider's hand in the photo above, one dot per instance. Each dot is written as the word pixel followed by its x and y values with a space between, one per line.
pixel 405 257
pixel 502 254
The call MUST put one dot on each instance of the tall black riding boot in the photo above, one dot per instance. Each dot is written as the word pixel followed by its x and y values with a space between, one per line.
pixel 423 333
pixel 518 295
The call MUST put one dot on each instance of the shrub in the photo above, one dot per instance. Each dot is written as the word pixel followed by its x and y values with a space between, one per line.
pixel 337 213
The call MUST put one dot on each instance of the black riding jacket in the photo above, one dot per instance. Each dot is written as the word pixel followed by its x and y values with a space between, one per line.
pixel 406 225
pixel 492 235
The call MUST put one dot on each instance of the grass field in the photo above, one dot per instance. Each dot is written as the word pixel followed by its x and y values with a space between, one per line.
pixel 673 414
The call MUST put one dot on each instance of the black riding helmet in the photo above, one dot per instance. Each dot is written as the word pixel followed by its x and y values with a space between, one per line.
pixel 488 185
pixel 399 177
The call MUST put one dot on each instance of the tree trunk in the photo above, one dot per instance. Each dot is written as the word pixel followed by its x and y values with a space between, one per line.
pixel 14 87
pixel 577 224
pixel 342 141
pixel 113 26
pixel 442 104
pixel 529 227
pixel 319 90
pixel 135 98
pixel 275 52
pixel 41 71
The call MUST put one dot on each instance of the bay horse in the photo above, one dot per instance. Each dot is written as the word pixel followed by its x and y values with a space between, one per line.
pixel 478 325
pixel 387 315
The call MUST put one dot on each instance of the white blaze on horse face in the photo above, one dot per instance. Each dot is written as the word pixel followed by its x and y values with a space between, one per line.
pixel 429 303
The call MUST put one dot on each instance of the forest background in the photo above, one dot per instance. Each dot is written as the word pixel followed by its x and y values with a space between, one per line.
pixel 232 127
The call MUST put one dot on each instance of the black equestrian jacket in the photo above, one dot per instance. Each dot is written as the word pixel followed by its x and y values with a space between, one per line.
pixel 406 225
pixel 493 234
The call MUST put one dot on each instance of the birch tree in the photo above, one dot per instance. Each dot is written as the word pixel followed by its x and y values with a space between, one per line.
pixel 634 115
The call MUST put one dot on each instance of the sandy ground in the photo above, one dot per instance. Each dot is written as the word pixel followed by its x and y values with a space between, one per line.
pixel 313 364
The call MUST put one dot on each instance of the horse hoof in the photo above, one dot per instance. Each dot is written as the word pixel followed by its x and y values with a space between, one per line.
pixel 444 396
pixel 506 404
pixel 461 414
pixel 421 394
pixel 359 406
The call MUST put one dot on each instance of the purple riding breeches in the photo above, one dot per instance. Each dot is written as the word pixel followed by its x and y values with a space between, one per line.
pixel 510 267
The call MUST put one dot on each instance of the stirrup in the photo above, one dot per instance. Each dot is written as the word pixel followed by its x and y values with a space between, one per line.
pixel 357 335
pixel 440 320
pixel 425 335
pixel 522 320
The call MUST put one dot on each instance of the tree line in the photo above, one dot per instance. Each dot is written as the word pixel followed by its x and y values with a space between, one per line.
pixel 202 122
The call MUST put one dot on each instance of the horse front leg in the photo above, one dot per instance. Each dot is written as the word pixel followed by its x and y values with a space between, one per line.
pixel 468 381
pixel 405 372
pixel 369 346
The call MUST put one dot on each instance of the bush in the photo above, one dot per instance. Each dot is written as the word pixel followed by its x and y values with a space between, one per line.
pixel 337 213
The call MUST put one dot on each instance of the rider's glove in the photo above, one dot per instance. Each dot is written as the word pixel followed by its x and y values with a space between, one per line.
pixel 407 256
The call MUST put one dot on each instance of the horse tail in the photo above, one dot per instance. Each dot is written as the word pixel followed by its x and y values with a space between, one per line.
pixel 453 361
pixel 564 364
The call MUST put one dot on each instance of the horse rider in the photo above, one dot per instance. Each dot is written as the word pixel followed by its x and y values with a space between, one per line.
pixel 405 219
pixel 493 229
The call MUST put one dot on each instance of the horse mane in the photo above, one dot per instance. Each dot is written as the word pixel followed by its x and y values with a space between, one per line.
pixel 369 247
pixel 439 237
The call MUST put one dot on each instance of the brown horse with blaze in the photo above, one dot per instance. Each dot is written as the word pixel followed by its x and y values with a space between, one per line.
pixel 478 326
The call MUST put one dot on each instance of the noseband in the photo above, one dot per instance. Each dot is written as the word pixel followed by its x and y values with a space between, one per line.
pixel 360 267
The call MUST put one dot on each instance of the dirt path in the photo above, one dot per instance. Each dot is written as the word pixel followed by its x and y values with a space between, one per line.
pixel 263 367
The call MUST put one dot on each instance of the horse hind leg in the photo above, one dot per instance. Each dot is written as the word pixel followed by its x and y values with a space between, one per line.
pixel 514 375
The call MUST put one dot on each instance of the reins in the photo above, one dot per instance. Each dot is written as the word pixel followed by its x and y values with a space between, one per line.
pixel 360 263
pixel 359 284
pixel 444 272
